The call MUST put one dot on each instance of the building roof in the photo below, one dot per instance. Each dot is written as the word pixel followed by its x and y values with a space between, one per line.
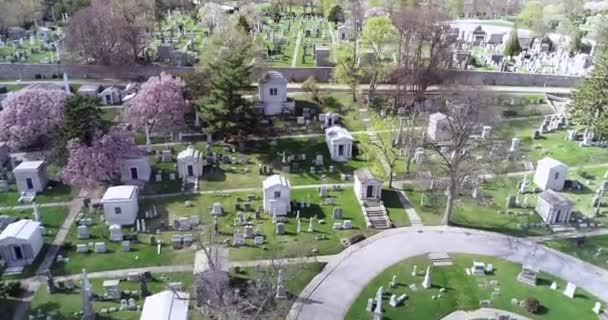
pixel 364 176
pixel 275 180
pixel 166 305
pixel 22 229
pixel 29 165
pixel 89 88
pixel 437 116
pixel 120 193
pixel 337 133
pixel 273 76
pixel 190 152
pixel 555 199
pixel 550 162
pixel 470 25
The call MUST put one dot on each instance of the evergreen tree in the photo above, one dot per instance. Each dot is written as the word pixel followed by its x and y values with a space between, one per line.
pixel 243 25
pixel 589 106
pixel 336 14
pixel 512 47
pixel 82 120
pixel 225 110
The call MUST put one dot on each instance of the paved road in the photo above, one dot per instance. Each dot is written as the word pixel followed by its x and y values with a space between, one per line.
pixel 330 294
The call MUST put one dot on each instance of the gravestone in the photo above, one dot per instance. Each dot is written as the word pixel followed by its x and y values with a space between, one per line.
pixel 100 247
pixel 280 228
pixel 511 201
pixel 115 233
pixel 187 239
pixel 83 232
pixel 337 226
pixel 82 248
pixel 126 245
pixel 248 232
pixel 195 220
pixel 176 242
pixel 337 213
pixel 238 239
pixel 183 224
pixel 323 192
pixel 347 225
pixel 217 209
pixel 258 240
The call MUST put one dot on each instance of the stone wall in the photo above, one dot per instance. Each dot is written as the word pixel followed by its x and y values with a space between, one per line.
pixel 322 74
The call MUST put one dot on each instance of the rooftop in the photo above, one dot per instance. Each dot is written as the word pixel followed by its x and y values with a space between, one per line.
pixel 273 75
pixel 22 229
pixel 555 198
pixel 189 152
pixel 364 175
pixel 276 180
pixel 29 165
pixel 550 162
pixel 118 193
pixel 166 305
pixel 337 132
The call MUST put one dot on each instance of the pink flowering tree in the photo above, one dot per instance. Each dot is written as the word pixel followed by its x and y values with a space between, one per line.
pixel 159 105
pixel 30 117
pixel 99 163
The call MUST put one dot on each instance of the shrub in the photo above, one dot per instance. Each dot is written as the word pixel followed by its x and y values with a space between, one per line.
pixel 509 113
pixel 532 305
pixel 311 86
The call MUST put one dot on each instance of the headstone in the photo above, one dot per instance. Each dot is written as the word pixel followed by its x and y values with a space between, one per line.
pixel 217 209
pixel 337 213
pixel 258 240
pixel 238 239
pixel 126 245
pixel 319 160
pixel 115 233
pixel 426 283
pixel 188 238
pixel 514 145
pixel 511 202
pixel 347 225
pixel 248 231
pixel 337 226
pixel 553 285
pixel 176 242
pixel 570 289
pixel 597 308
pixel 485 132
pixel 83 232
pixel 195 220
pixel 323 191
pixel 82 248
pixel 100 247
pixel 280 228
pixel 133 276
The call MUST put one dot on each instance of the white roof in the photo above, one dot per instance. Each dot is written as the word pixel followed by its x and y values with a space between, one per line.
pixel 338 133
pixel 29 165
pixel 166 305
pixel 273 76
pixel 22 229
pixel 437 116
pixel 89 87
pixel 120 193
pixel 276 180
pixel 189 152
pixel 550 162
pixel 470 25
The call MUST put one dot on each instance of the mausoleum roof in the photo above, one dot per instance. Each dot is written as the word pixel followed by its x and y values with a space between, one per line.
pixel 119 193
pixel 555 199
pixel 275 180
pixel 29 165
pixel 22 229
pixel 166 305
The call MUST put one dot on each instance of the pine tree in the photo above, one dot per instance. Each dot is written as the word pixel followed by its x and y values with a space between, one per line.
pixel 589 106
pixel 512 47
pixel 225 110
pixel 243 25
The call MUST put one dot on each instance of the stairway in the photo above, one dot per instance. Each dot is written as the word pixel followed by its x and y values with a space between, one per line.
pixel 376 214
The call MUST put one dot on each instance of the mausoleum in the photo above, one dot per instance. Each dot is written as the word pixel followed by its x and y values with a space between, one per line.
pixel 120 205
pixel 277 195
pixel 550 174
pixel 340 143
pixel 273 95
pixel 31 176
pixel 135 170
pixel 554 207
pixel 439 127
pixel 20 243
pixel 190 163
pixel 367 187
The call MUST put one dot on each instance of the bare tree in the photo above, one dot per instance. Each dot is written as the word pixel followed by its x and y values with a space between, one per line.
pixel 409 136
pixel 466 156
pixel 259 298
pixel 211 16
pixel 388 157
pixel 424 51
pixel 108 32
pixel 17 13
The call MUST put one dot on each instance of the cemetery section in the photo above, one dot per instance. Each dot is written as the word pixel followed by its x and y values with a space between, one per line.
pixel 590 249
pixel 406 290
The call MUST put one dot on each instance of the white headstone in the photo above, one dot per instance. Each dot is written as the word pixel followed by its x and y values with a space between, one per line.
pixel 426 283
pixel 570 289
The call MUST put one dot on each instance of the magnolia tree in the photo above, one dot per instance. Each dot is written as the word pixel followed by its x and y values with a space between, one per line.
pixel 90 166
pixel 30 117
pixel 160 104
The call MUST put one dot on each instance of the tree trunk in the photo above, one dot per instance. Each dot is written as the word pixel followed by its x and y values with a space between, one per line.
pixel 354 93
pixel 449 204
pixel 408 164
pixel 390 178
pixel 148 140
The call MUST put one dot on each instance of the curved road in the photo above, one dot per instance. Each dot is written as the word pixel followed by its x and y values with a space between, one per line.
pixel 330 294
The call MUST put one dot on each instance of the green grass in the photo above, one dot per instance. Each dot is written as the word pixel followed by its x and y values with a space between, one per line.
pixel 396 212
pixel 142 253
pixel 588 251
pixel 65 304
pixel 59 193
pixel 464 292
pixel 289 245
pixel 52 219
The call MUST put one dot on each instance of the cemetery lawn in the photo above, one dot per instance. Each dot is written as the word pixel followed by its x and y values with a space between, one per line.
pixel 464 292
pixel 238 176
pixel 396 212
pixel 142 254
pixel 488 213
pixel 290 244
pixel 63 305
pixel 52 219
pixel 59 193
pixel 588 251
